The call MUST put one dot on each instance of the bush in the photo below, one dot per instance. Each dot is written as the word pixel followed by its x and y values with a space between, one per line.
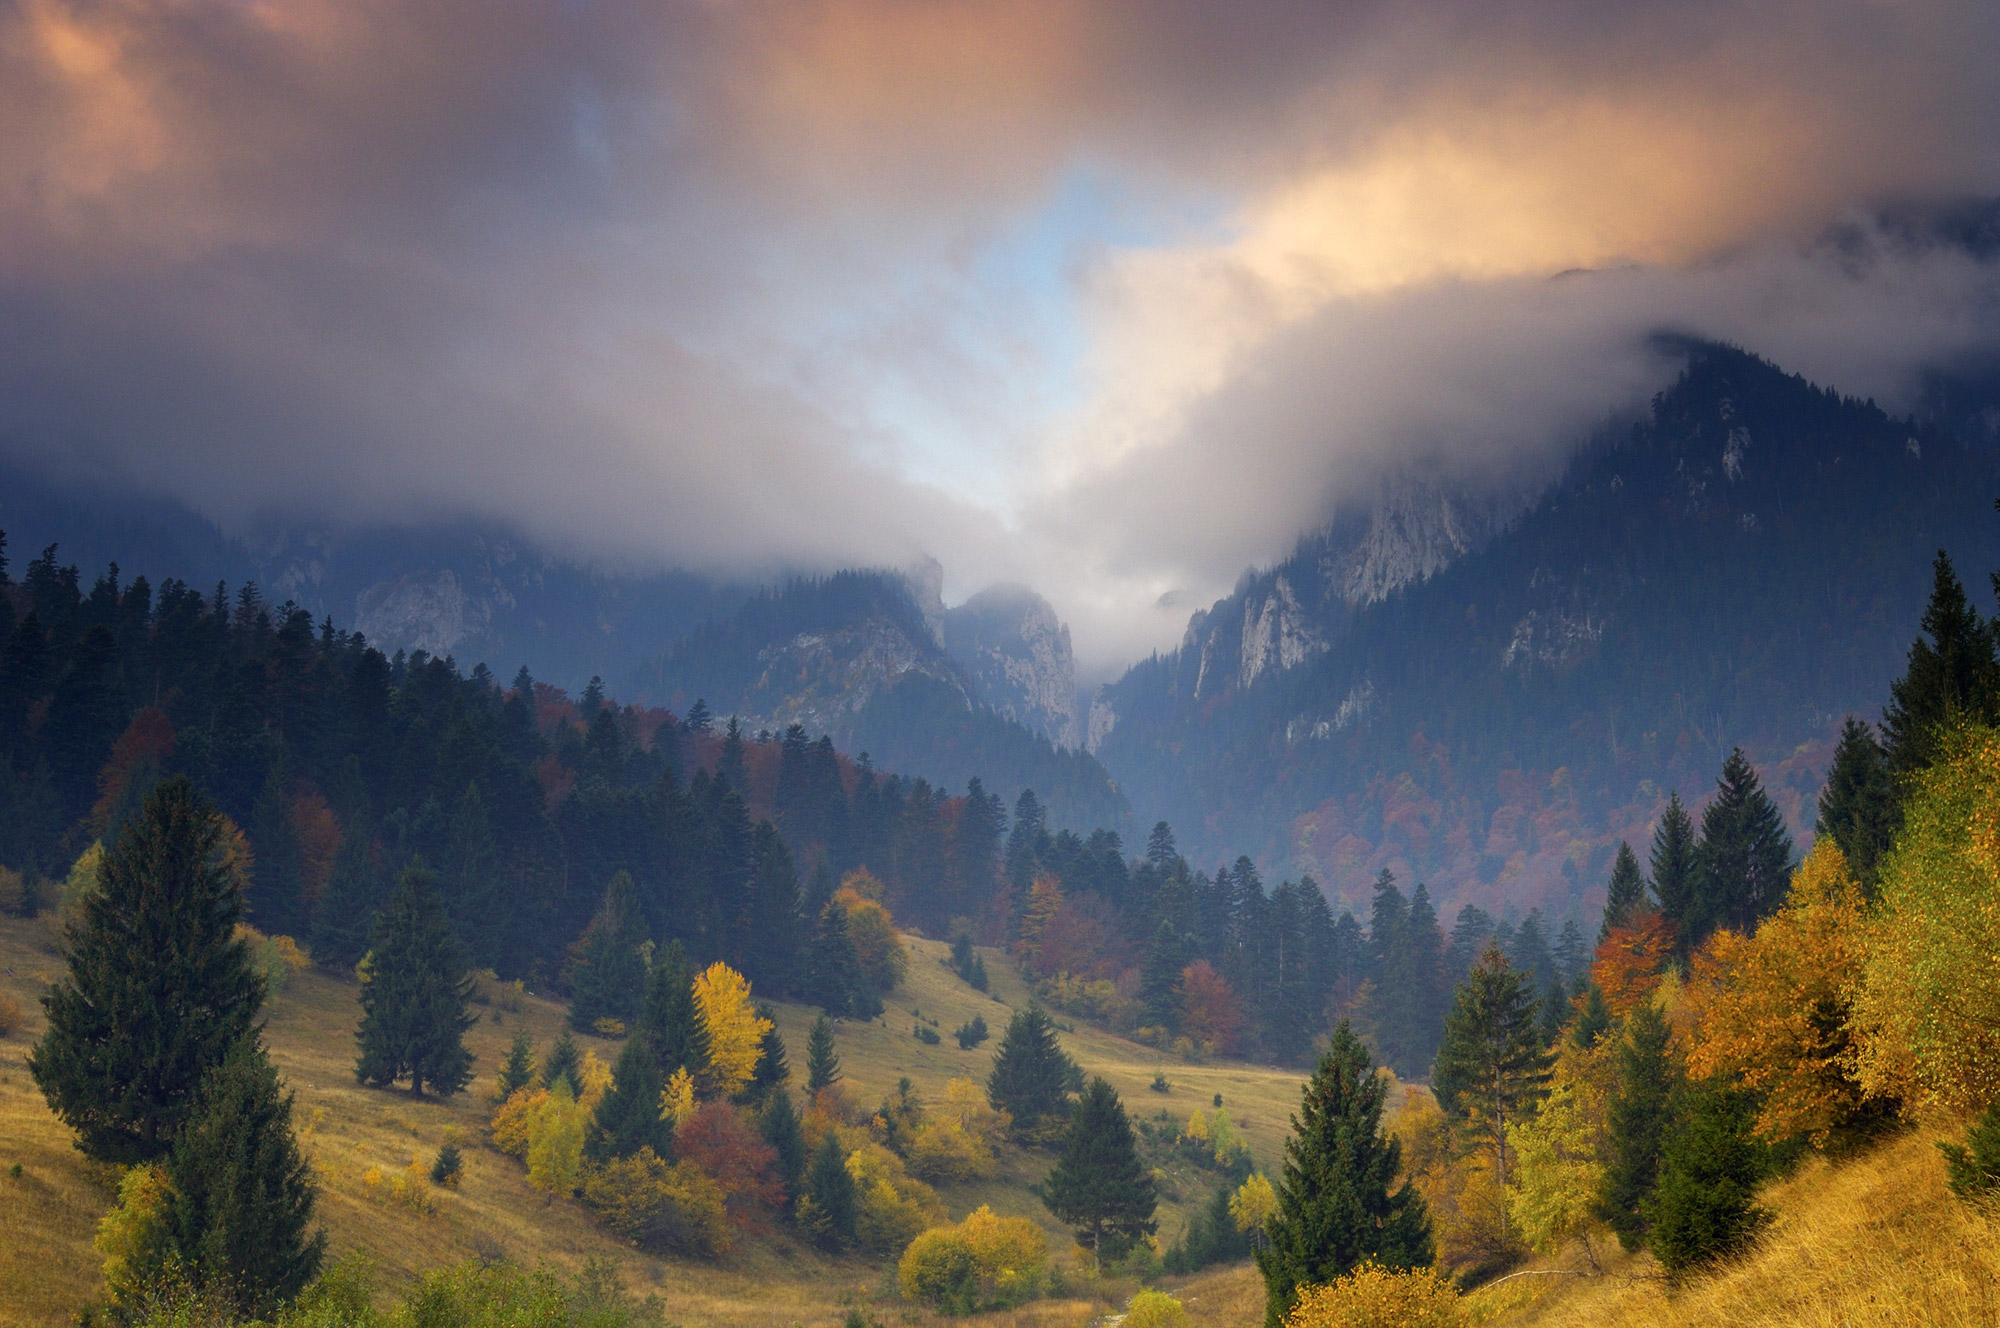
pixel 1973 1169
pixel 1154 1309
pixel 891 1207
pixel 501 1295
pixel 449 1166
pixel 927 1035
pixel 1376 1297
pixel 971 1033
pixel 510 1122
pixel 10 1016
pixel 983 1262
pixel 556 1130
pixel 133 1235
pixel 660 1205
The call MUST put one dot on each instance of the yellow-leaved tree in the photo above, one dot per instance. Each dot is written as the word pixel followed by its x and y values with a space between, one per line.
pixel 877 945
pixel 735 1030
pixel 1377 1297
pixel 555 1142
pixel 1927 1008
pixel 1773 1010
pixel 1253 1204
pixel 1558 1170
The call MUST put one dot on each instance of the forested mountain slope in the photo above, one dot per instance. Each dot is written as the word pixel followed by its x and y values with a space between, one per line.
pixel 1742 567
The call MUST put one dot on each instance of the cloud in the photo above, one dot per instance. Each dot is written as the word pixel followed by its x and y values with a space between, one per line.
pixel 744 285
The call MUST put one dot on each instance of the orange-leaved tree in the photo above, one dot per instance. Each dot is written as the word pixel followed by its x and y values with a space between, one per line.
pixel 1210 1011
pixel 1629 962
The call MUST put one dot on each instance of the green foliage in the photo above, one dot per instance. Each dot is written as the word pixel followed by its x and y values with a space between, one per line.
pixel 518 1070
pixel 773 1070
pixel 503 1295
pixel 1593 1021
pixel 1857 805
pixel 1638 1120
pixel 971 1033
pixel 827 1209
pixel 1030 1078
pixel 965 962
pixel 779 1124
pixel 415 995
pixel 1098 1186
pixel 1952 679
pixel 1673 860
pixel 1491 1064
pixel 628 1115
pixel 1744 862
pixel 1336 1205
pixel 1973 1169
pixel 836 980
pixel 343 916
pixel 822 1065
pixel 448 1164
pixel 1625 893
pixel 564 1065
pixel 1704 1208
pixel 158 988
pixel 608 979
pixel 1211 1236
pixel 670 1022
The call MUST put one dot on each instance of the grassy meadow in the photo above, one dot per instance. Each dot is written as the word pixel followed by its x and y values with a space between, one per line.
pixel 48 1267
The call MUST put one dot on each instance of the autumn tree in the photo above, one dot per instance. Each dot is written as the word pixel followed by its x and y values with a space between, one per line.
pixel 1210 1011
pixel 1558 1172
pixel 414 995
pixel 1631 961
pixel 732 1026
pixel 159 989
pixel 878 949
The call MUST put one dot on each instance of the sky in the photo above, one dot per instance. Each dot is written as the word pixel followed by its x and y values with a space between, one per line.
pixel 1114 299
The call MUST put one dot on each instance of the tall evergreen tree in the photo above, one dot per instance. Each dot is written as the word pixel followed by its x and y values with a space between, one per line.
pixel 670 1022
pixel 518 1070
pixel 343 917
pixel 827 1209
pixel 628 1116
pixel 822 1066
pixel 1857 807
pixel 240 1193
pixel 415 994
pixel 1030 1073
pixel 1637 1121
pixel 1744 864
pixel 772 1068
pixel 1673 862
pixel 1161 990
pixel 1952 676
pixel 1490 1066
pixel 1338 1202
pixel 159 989
pixel 1470 935
pixel 564 1065
pixel 1098 1187
pixel 1625 893
pixel 608 980
pixel 778 1122
pixel 834 978
pixel 1705 1206
pixel 1572 956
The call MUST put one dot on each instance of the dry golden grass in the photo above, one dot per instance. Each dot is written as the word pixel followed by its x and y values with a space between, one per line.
pixel 1877 1240
pixel 48 1269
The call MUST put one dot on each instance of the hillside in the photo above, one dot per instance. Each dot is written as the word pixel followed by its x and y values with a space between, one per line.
pixel 47 1266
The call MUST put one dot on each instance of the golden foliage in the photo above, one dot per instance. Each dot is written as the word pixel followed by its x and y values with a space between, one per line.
pixel 880 950
pixel 1467 1205
pixel 660 1205
pixel 957 1142
pixel 1627 965
pixel 288 951
pixel 677 1098
pixel 1253 1204
pixel 556 1129
pixel 596 1077
pixel 892 1206
pixel 735 1030
pixel 131 1237
pixel 1045 900
pixel 509 1129
pixel 983 1261
pixel 1557 1169
pixel 1154 1309
pixel 1375 1297
pixel 81 882
pixel 10 1016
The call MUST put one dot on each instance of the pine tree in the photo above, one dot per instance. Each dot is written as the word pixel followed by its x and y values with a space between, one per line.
pixel 1673 862
pixel 518 1071
pixel 1857 807
pixel 1952 677
pixel 827 1209
pixel 834 978
pixel 772 1068
pixel 1637 1122
pixel 1029 1077
pixel 779 1124
pixel 822 1066
pixel 608 980
pixel 415 994
pixel 241 1194
pixel 670 1021
pixel 1161 992
pixel 628 1115
pixel 1625 894
pixel 1098 1187
pixel 1744 863
pixel 1336 1208
pixel 158 989
pixel 564 1065
pixel 343 916
pixel 1490 1066
pixel 1705 1206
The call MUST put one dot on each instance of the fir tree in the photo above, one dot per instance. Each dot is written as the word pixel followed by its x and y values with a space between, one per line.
pixel 1029 1078
pixel 1951 677
pixel 670 1021
pixel 1704 1208
pixel 1099 1188
pixel 827 1209
pixel 779 1124
pixel 608 979
pixel 1744 864
pixel 158 989
pixel 1572 956
pixel 414 995
pixel 564 1065
pixel 834 978
pixel 518 1071
pixel 343 917
pixel 772 1069
pixel 1593 1021
pixel 1161 991
pixel 628 1115
pixel 1857 807
pixel 1673 861
pixel 731 767
pixel 240 1194
pixel 1336 1207
pixel 1637 1122
pixel 1490 1066
pixel 822 1066
pixel 1625 894
pixel 1555 1012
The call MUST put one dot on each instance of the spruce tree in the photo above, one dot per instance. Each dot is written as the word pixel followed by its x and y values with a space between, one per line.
pixel 779 1124
pixel 772 1068
pixel 1952 677
pixel 1625 893
pixel 241 1194
pixel 1336 1205
pixel 1593 1021
pixel 1029 1071
pixel 1704 1208
pixel 1099 1188
pixel 343 917
pixel 1672 861
pixel 822 1066
pixel 834 979
pixel 670 1022
pixel 827 1209
pixel 564 1065
pixel 628 1115
pixel 1857 807
pixel 1637 1121
pixel 1572 956
pixel 1743 866
pixel 158 991
pixel 608 979
pixel 1160 984
pixel 1491 1064
pixel 518 1071
pixel 415 995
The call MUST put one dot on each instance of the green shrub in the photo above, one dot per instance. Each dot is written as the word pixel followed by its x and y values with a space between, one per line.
pixel 1973 1169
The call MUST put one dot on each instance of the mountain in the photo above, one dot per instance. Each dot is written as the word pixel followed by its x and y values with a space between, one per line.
pixel 1488 694
pixel 474 590
pixel 1017 654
